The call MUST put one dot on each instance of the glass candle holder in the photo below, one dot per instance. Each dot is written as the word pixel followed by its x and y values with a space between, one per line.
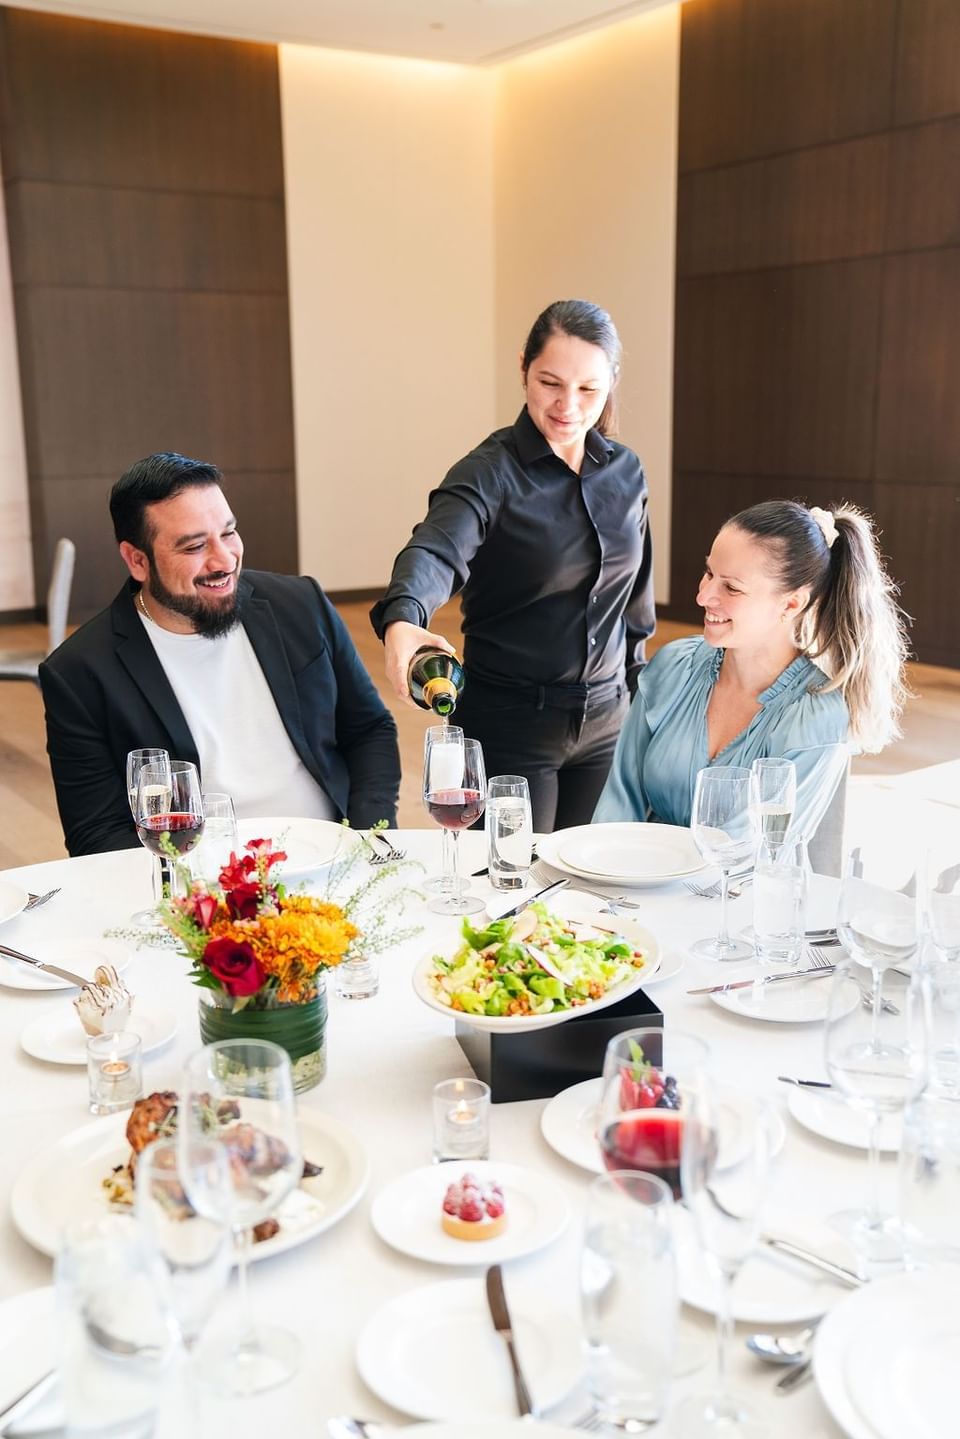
pixel 114 1072
pixel 461 1120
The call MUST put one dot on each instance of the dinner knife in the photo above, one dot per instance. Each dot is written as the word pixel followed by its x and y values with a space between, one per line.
pixel 66 974
pixel 820 970
pixel 816 1261
pixel 540 894
pixel 794 1377
pixel 500 1314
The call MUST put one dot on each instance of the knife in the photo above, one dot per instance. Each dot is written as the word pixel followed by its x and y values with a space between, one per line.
pixel 540 894
pixel 795 1377
pixel 66 974
pixel 821 969
pixel 805 1083
pixel 784 1246
pixel 500 1314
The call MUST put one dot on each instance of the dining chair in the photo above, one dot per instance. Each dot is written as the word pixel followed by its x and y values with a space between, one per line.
pixel 25 664
pixel 826 846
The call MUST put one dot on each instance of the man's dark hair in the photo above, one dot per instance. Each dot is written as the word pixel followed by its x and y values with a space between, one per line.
pixel 156 478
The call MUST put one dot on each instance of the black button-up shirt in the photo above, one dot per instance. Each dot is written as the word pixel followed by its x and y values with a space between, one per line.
pixel 556 568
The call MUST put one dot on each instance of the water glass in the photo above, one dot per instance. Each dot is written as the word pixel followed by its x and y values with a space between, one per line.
pixel 628 1292
pixel 221 837
pixel 117 1337
pixel 461 1120
pixel 930 1181
pixel 509 831
pixel 779 903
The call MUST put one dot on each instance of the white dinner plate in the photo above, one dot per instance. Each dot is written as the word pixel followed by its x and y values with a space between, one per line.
pixel 886 1359
pixel 569 1125
pixel 770 1288
pixel 13 900
pixel 635 934
pixel 28 1350
pixel 65 1183
pixel 433 1352
pixel 623 853
pixel 309 844
pixel 406 1213
pixel 795 1001
pixel 81 957
pixel 499 1429
pixel 826 1113
pixel 59 1038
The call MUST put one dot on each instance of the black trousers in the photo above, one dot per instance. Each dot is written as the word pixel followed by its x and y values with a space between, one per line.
pixel 560 737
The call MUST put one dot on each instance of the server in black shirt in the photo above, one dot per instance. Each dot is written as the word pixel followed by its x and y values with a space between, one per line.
pixel 544 528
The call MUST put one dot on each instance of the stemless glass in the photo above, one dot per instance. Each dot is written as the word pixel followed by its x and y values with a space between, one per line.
pixel 452 762
pixel 777 791
pixel 454 804
pixel 724 827
pixel 509 830
pixel 879 913
pixel 240 1092
pixel 169 804
pixel 137 760
pixel 878 1067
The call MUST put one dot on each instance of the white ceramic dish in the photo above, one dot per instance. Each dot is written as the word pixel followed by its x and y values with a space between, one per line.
pixel 64 1183
pixel 82 958
pixel 770 1288
pixel 501 1429
pixel 28 1349
pixel 434 1354
pixel 13 900
pixel 623 854
pixel 59 1038
pixel 309 844
pixel 825 1113
pixel 406 1213
pixel 795 1001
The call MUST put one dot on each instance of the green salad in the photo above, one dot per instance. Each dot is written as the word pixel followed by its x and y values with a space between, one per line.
pixel 536 963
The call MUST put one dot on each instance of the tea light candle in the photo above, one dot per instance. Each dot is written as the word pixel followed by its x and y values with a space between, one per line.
pixel 114 1072
pixel 461 1120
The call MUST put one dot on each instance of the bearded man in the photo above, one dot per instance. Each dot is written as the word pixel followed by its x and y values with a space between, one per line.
pixel 250 675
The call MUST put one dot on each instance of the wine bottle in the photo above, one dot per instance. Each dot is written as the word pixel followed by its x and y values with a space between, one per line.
pixel 435 680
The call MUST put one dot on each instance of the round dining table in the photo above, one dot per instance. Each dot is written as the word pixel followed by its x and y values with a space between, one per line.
pixel 385 1054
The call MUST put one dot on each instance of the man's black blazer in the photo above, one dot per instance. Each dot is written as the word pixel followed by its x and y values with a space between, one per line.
pixel 106 693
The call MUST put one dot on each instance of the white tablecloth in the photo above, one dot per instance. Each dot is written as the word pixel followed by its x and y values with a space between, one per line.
pixel 385 1055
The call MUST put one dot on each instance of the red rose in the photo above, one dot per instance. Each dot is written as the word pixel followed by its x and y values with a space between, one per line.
pixel 243 900
pixel 235 965
pixel 202 908
pixel 237 871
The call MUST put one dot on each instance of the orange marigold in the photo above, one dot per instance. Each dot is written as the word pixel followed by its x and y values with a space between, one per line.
pixel 307 935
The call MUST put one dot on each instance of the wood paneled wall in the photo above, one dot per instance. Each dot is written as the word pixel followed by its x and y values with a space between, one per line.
pixel 143 173
pixel 818 280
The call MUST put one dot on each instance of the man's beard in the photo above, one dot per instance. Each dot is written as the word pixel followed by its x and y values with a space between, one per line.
pixel 211 621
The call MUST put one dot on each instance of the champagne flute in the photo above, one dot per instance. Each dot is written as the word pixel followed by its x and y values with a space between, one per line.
pixel 452 735
pixel 455 800
pixel 877 1070
pixel 724 827
pixel 777 790
pixel 239 1092
pixel 137 760
pixel 879 914
pixel 169 806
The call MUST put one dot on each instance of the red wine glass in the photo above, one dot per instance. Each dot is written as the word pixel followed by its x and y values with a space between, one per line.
pixel 454 792
pixel 169 807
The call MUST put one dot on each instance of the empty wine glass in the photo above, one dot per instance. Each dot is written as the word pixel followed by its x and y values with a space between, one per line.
pixel 725 1168
pixel 454 794
pixel 777 790
pixel 453 735
pixel 724 826
pixel 137 760
pixel 169 806
pixel 239 1092
pixel 879 913
pixel 878 1066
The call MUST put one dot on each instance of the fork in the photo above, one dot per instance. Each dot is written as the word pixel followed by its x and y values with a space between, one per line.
pixel 541 875
pixel 712 891
pixel 392 852
pixel 34 901
pixel 820 961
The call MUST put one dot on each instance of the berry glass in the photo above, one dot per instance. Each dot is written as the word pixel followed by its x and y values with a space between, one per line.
pixel 454 796
pixel 137 761
pixel 724 824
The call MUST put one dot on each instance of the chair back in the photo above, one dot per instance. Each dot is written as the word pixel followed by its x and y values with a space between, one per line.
pixel 826 847
pixel 58 595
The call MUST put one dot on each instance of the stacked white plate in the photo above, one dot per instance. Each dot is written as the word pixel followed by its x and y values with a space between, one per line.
pixel 623 854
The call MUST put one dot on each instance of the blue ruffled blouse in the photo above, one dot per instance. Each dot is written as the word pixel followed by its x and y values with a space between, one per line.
pixel 663 744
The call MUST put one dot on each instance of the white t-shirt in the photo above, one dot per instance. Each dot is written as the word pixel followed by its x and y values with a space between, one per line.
pixel 242 745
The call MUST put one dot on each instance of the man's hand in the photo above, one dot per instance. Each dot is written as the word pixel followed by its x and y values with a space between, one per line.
pixel 400 642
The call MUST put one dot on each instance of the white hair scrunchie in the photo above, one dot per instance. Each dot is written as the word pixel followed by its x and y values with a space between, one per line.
pixel 824 519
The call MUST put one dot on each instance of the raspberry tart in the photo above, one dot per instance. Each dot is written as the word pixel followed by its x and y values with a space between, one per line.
pixel 473 1210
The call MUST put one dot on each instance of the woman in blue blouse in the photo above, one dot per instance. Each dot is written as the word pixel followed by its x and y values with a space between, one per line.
pixel 783 586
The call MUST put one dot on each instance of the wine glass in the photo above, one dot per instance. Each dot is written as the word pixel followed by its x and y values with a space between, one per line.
pixel 169 805
pixel 943 958
pixel 879 913
pixel 221 837
pixel 137 759
pixel 239 1092
pixel 878 1067
pixel 777 791
pixel 454 795
pixel 452 735
pixel 725 1169
pixel 724 827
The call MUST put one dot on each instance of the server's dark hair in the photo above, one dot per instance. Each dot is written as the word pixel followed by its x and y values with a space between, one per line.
pixel 852 625
pixel 584 321
pixel 155 478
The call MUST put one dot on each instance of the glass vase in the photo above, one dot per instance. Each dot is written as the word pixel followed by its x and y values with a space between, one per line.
pixel 300 1029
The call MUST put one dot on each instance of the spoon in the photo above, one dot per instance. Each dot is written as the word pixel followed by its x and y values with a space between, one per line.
pixel 343 1427
pixel 782 1348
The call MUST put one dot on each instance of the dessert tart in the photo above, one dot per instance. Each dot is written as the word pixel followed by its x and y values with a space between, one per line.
pixel 473 1210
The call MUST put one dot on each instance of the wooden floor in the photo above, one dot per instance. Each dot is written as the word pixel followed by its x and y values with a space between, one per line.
pixel 30 829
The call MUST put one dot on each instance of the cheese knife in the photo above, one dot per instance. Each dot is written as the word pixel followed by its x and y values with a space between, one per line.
pixel 500 1314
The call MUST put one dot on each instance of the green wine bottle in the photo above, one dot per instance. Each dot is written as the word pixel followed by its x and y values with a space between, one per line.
pixel 435 680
